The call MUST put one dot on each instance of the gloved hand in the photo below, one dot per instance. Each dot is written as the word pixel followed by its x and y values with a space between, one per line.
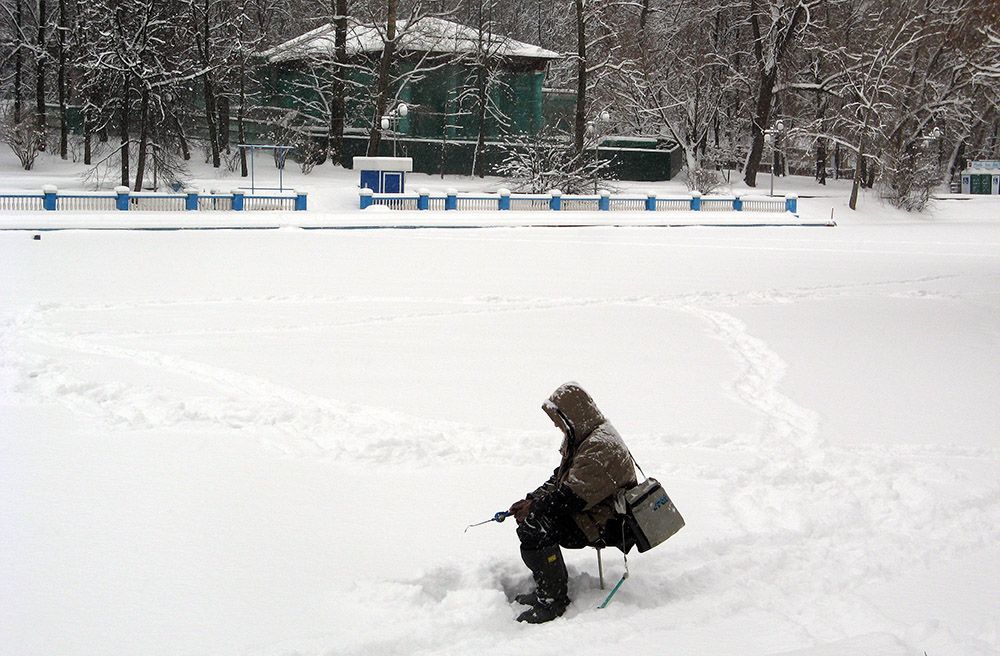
pixel 520 509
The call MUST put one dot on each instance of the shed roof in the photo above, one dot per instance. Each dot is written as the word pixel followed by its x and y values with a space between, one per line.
pixel 429 34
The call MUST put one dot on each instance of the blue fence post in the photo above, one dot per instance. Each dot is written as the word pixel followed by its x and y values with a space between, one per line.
pixel 423 199
pixel 451 199
pixel 695 201
pixel 555 200
pixel 737 202
pixel 504 202
pixel 49 197
pixel 121 202
pixel 301 201
pixel 238 198
pixel 792 203
pixel 650 201
pixel 191 202
pixel 366 198
pixel 604 202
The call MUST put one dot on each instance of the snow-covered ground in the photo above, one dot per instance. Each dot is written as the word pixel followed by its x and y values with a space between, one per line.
pixel 267 443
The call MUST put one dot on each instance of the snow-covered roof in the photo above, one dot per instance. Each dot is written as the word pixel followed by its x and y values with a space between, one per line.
pixel 424 35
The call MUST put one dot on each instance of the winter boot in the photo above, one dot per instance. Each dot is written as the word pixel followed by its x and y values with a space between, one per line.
pixel 527 598
pixel 550 597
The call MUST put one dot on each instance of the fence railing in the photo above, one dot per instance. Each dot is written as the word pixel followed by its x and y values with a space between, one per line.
pixel 215 203
pixel 157 202
pixel 121 199
pixel 86 202
pixel 22 202
pixel 504 200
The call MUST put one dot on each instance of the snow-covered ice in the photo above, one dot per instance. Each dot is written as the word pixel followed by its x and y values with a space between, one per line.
pixel 270 442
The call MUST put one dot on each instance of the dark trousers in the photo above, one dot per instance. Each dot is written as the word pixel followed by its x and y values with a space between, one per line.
pixel 542 530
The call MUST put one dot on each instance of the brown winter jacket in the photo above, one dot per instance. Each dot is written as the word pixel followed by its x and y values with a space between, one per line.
pixel 595 461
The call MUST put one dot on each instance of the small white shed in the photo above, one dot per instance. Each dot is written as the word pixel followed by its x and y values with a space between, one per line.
pixel 982 178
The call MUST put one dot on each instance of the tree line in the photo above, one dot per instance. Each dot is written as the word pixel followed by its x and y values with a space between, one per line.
pixel 896 95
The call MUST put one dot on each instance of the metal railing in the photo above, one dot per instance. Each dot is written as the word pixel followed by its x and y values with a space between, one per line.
pixel 555 201
pixel 124 200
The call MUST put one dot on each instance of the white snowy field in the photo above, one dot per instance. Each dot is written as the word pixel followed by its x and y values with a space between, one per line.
pixel 269 442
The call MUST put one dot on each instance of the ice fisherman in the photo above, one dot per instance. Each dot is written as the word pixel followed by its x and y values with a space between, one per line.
pixel 575 508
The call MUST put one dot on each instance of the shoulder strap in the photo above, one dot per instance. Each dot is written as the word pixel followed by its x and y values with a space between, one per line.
pixel 636 463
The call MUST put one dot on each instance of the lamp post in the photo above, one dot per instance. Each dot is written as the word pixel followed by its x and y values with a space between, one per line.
pixel 594 128
pixel 772 137
pixel 934 135
pixel 392 120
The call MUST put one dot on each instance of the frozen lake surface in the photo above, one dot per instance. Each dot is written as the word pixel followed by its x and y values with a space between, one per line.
pixel 269 442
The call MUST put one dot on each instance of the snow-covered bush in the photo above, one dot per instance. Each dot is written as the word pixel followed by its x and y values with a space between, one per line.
pixel 703 180
pixel 908 178
pixel 546 161
pixel 23 137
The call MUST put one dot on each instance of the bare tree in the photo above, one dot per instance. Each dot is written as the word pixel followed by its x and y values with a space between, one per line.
pixel 774 26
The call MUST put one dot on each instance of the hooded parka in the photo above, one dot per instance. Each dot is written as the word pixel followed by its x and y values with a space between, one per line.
pixel 595 462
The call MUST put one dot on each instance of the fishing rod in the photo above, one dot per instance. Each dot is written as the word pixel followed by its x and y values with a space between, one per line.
pixel 498 517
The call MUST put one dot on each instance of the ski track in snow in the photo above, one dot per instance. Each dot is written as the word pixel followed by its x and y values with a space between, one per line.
pixel 784 558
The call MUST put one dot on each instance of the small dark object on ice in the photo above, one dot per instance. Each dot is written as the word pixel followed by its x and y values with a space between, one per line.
pixel 37 237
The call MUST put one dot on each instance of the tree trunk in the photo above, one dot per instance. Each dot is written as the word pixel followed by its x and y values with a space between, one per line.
pixel 88 128
pixel 338 102
pixel 241 126
pixel 185 150
pixel 580 119
pixel 821 148
pixel 856 184
pixel 222 103
pixel 18 61
pixel 213 136
pixel 955 162
pixel 207 90
pixel 761 117
pixel 40 119
pixel 478 168
pixel 140 164
pixel 859 165
pixel 123 130
pixel 384 68
pixel 63 128
pixel 821 157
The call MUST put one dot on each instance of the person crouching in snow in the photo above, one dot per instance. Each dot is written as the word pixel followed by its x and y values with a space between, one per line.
pixel 575 508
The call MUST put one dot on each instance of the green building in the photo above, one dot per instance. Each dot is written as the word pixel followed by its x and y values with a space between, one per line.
pixel 437 64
